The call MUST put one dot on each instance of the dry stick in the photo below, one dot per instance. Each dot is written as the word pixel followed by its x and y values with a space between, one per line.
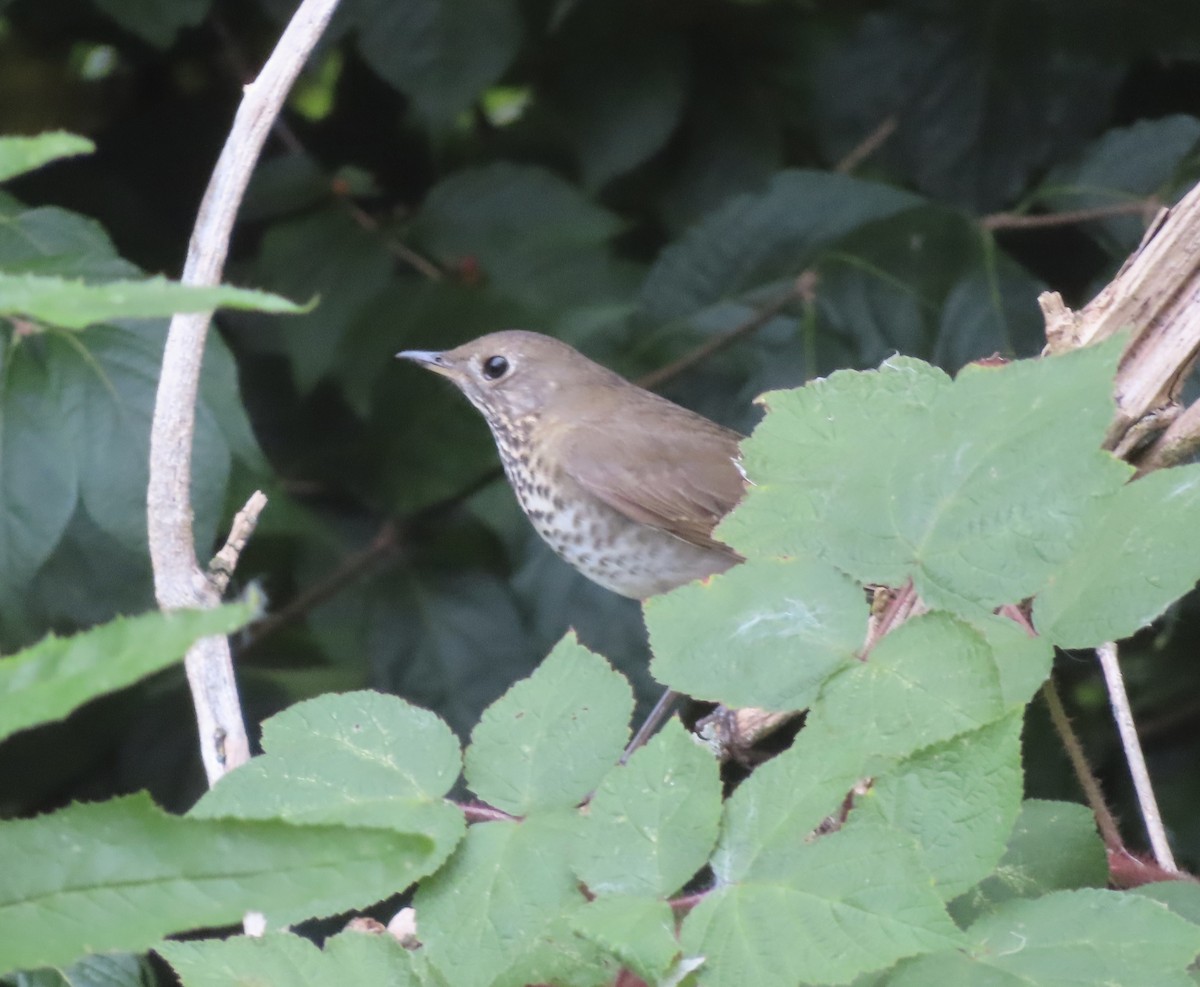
pixel 867 146
pixel 178 579
pixel 1023 221
pixel 1123 714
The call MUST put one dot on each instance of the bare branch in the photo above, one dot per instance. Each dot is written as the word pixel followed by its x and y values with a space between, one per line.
pixel 1123 714
pixel 220 569
pixel 178 579
pixel 1024 221
pixel 867 146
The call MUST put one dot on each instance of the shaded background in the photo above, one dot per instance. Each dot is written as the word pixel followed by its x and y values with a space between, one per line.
pixel 825 183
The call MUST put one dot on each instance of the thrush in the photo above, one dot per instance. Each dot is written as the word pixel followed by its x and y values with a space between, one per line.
pixel 624 485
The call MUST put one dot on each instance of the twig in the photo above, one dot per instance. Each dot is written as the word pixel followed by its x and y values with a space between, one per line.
pixel 288 136
pixel 220 569
pixel 479 812
pixel 382 545
pixel 867 146
pixel 802 288
pixel 1024 221
pixel 178 579
pixel 1083 771
pixel 1123 714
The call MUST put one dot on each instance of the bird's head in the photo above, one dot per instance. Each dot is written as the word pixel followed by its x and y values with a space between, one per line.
pixel 512 374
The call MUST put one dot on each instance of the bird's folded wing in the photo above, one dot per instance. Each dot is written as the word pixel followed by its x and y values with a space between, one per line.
pixel 680 480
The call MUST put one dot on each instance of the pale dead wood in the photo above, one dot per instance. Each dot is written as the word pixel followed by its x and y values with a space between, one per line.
pixel 179 580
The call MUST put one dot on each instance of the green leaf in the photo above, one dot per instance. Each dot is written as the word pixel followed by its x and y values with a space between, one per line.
pixel 1124 165
pixel 931 679
pixel 1009 467
pixel 74 304
pixel 621 95
pixel 959 799
pixel 1053 847
pixel 535 237
pixel 1182 897
pixel 1065 939
pixel 640 932
pixel 767 633
pixel 653 822
pixel 500 895
pixel 57 675
pixel 106 970
pixel 851 902
pixel 324 252
pixel 39 475
pixel 769 816
pixel 756 239
pixel 120 875
pixel 281 959
pixel 48 240
pixel 21 154
pixel 1023 660
pixel 985 97
pixel 360 759
pixel 1142 553
pixel 552 737
pixel 156 21
pixel 441 53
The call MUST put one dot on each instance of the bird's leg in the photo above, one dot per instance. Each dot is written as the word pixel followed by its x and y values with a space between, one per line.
pixel 657 715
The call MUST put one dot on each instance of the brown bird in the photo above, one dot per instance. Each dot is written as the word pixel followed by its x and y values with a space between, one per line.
pixel 624 485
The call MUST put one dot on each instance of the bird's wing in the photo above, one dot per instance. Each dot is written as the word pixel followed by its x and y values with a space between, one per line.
pixel 680 476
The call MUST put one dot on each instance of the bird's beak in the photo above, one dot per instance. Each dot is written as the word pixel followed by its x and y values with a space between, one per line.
pixel 429 359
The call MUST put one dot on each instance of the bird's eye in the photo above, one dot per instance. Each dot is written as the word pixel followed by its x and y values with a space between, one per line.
pixel 495 367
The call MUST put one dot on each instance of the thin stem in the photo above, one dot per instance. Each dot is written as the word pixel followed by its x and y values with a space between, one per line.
pixel 1123 714
pixel 1022 221
pixel 1083 771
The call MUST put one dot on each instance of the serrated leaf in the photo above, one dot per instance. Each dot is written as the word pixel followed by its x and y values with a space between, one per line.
pixel 359 759
pixel 1023 660
pixel 47 681
pixel 932 678
pixel 120 875
pixel 1182 897
pixel 854 901
pixel 281 959
pixel 549 740
pixel 1054 846
pixel 1009 465
pixel 640 932
pixel 442 55
pixel 1142 553
pixel 755 239
pixel 505 886
pixel 767 633
pixel 21 154
pixel 652 822
pixel 769 817
pixel 959 799
pixel 75 304
pixel 1065 939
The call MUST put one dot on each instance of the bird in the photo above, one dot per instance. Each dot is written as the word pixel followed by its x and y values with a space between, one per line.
pixel 624 485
